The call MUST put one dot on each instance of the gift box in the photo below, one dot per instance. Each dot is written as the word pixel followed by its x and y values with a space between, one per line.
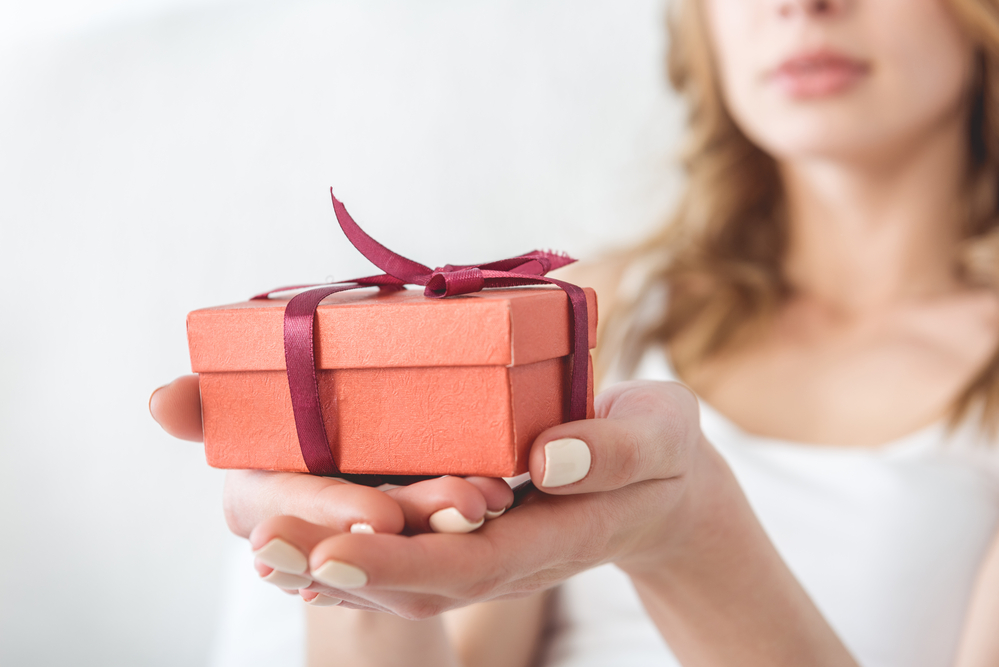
pixel 454 380
pixel 408 384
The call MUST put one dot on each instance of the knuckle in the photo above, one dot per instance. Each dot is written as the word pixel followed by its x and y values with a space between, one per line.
pixel 483 584
pixel 628 461
pixel 663 419
pixel 673 431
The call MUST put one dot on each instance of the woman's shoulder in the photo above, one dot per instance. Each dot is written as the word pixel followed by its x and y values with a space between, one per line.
pixel 614 278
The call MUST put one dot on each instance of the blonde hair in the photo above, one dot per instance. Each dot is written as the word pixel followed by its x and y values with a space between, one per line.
pixel 720 256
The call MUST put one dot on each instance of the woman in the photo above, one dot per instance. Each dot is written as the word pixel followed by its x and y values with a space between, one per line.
pixel 830 280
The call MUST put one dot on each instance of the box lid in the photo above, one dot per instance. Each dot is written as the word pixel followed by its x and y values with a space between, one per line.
pixel 366 329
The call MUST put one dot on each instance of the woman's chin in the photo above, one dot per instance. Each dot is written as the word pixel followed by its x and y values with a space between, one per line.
pixel 823 141
pixel 857 130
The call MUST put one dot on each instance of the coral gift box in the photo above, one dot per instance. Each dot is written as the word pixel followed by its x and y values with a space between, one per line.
pixel 408 385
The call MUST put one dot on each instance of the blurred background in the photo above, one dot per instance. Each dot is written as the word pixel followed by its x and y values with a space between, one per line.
pixel 158 156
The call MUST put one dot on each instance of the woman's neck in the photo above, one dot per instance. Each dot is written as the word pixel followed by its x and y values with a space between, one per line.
pixel 863 236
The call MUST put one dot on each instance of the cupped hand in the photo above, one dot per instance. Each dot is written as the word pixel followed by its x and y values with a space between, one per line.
pixel 283 508
pixel 622 488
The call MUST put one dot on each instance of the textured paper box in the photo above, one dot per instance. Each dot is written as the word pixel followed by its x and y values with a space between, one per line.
pixel 458 386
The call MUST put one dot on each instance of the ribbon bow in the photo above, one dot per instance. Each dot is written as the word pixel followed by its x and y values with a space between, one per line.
pixel 299 322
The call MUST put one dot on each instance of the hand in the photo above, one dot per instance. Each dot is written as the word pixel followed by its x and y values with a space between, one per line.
pixel 259 498
pixel 617 489
pixel 638 486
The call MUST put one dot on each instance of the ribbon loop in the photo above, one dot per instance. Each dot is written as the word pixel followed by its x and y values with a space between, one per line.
pixel 449 280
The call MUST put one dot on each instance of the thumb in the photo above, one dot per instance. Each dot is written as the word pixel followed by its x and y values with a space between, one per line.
pixel 644 430
pixel 177 408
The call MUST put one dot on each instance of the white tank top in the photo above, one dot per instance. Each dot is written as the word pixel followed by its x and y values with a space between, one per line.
pixel 886 540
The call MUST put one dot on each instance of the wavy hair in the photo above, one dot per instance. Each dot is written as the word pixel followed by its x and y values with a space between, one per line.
pixel 719 259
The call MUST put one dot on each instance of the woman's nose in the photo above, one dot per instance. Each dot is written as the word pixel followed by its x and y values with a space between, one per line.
pixel 816 8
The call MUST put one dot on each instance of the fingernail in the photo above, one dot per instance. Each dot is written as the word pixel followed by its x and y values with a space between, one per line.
pixel 490 514
pixel 335 574
pixel 365 528
pixel 324 601
pixel 452 521
pixel 282 556
pixel 566 461
pixel 287 581
pixel 151 397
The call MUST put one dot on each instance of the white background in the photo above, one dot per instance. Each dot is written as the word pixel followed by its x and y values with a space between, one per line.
pixel 159 157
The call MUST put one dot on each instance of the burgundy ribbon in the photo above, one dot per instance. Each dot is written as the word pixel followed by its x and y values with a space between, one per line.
pixel 300 313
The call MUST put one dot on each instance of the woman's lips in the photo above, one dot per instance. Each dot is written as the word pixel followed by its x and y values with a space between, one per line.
pixel 818 74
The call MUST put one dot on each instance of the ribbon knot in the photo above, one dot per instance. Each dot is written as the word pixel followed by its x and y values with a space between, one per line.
pixel 452 281
pixel 449 280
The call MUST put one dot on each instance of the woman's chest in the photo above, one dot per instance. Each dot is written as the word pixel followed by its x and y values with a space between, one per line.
pixel 887 542
pixel 859 384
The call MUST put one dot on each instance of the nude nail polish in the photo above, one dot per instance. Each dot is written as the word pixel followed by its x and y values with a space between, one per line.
pixel 282 556
pixel 364 528
pixel 290 582
pixel 324 601
pixel 491 514
pixel 450 520
pixel 566 461
pixel 335 574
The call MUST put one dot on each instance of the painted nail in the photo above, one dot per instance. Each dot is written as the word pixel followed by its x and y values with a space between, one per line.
pixel 324 601
pixel 335 574
pixel 566 461
pixel 451 520
pixel 282 556
pixel 291 582
pixel 490 514
pixel 361 527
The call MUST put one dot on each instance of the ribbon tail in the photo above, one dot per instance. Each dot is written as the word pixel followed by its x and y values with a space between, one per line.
pixel 580 368
pixel 388 261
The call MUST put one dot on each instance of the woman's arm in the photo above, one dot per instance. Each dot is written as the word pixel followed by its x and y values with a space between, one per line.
pixel 504 633
pixel 337 637
pixel 724 596
pixel 980 641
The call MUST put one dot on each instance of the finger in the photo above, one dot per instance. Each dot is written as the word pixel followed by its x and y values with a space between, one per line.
pixel 467 567
pixel 177 408
pixel 394 564
pixel 323 597
pixel 497 493
pixel 644 430
pixel 319 600
pixel 442 505
pixel 293 533
pixel 284 580
pixel 344 604
pixel 251 497
pixel 280 546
